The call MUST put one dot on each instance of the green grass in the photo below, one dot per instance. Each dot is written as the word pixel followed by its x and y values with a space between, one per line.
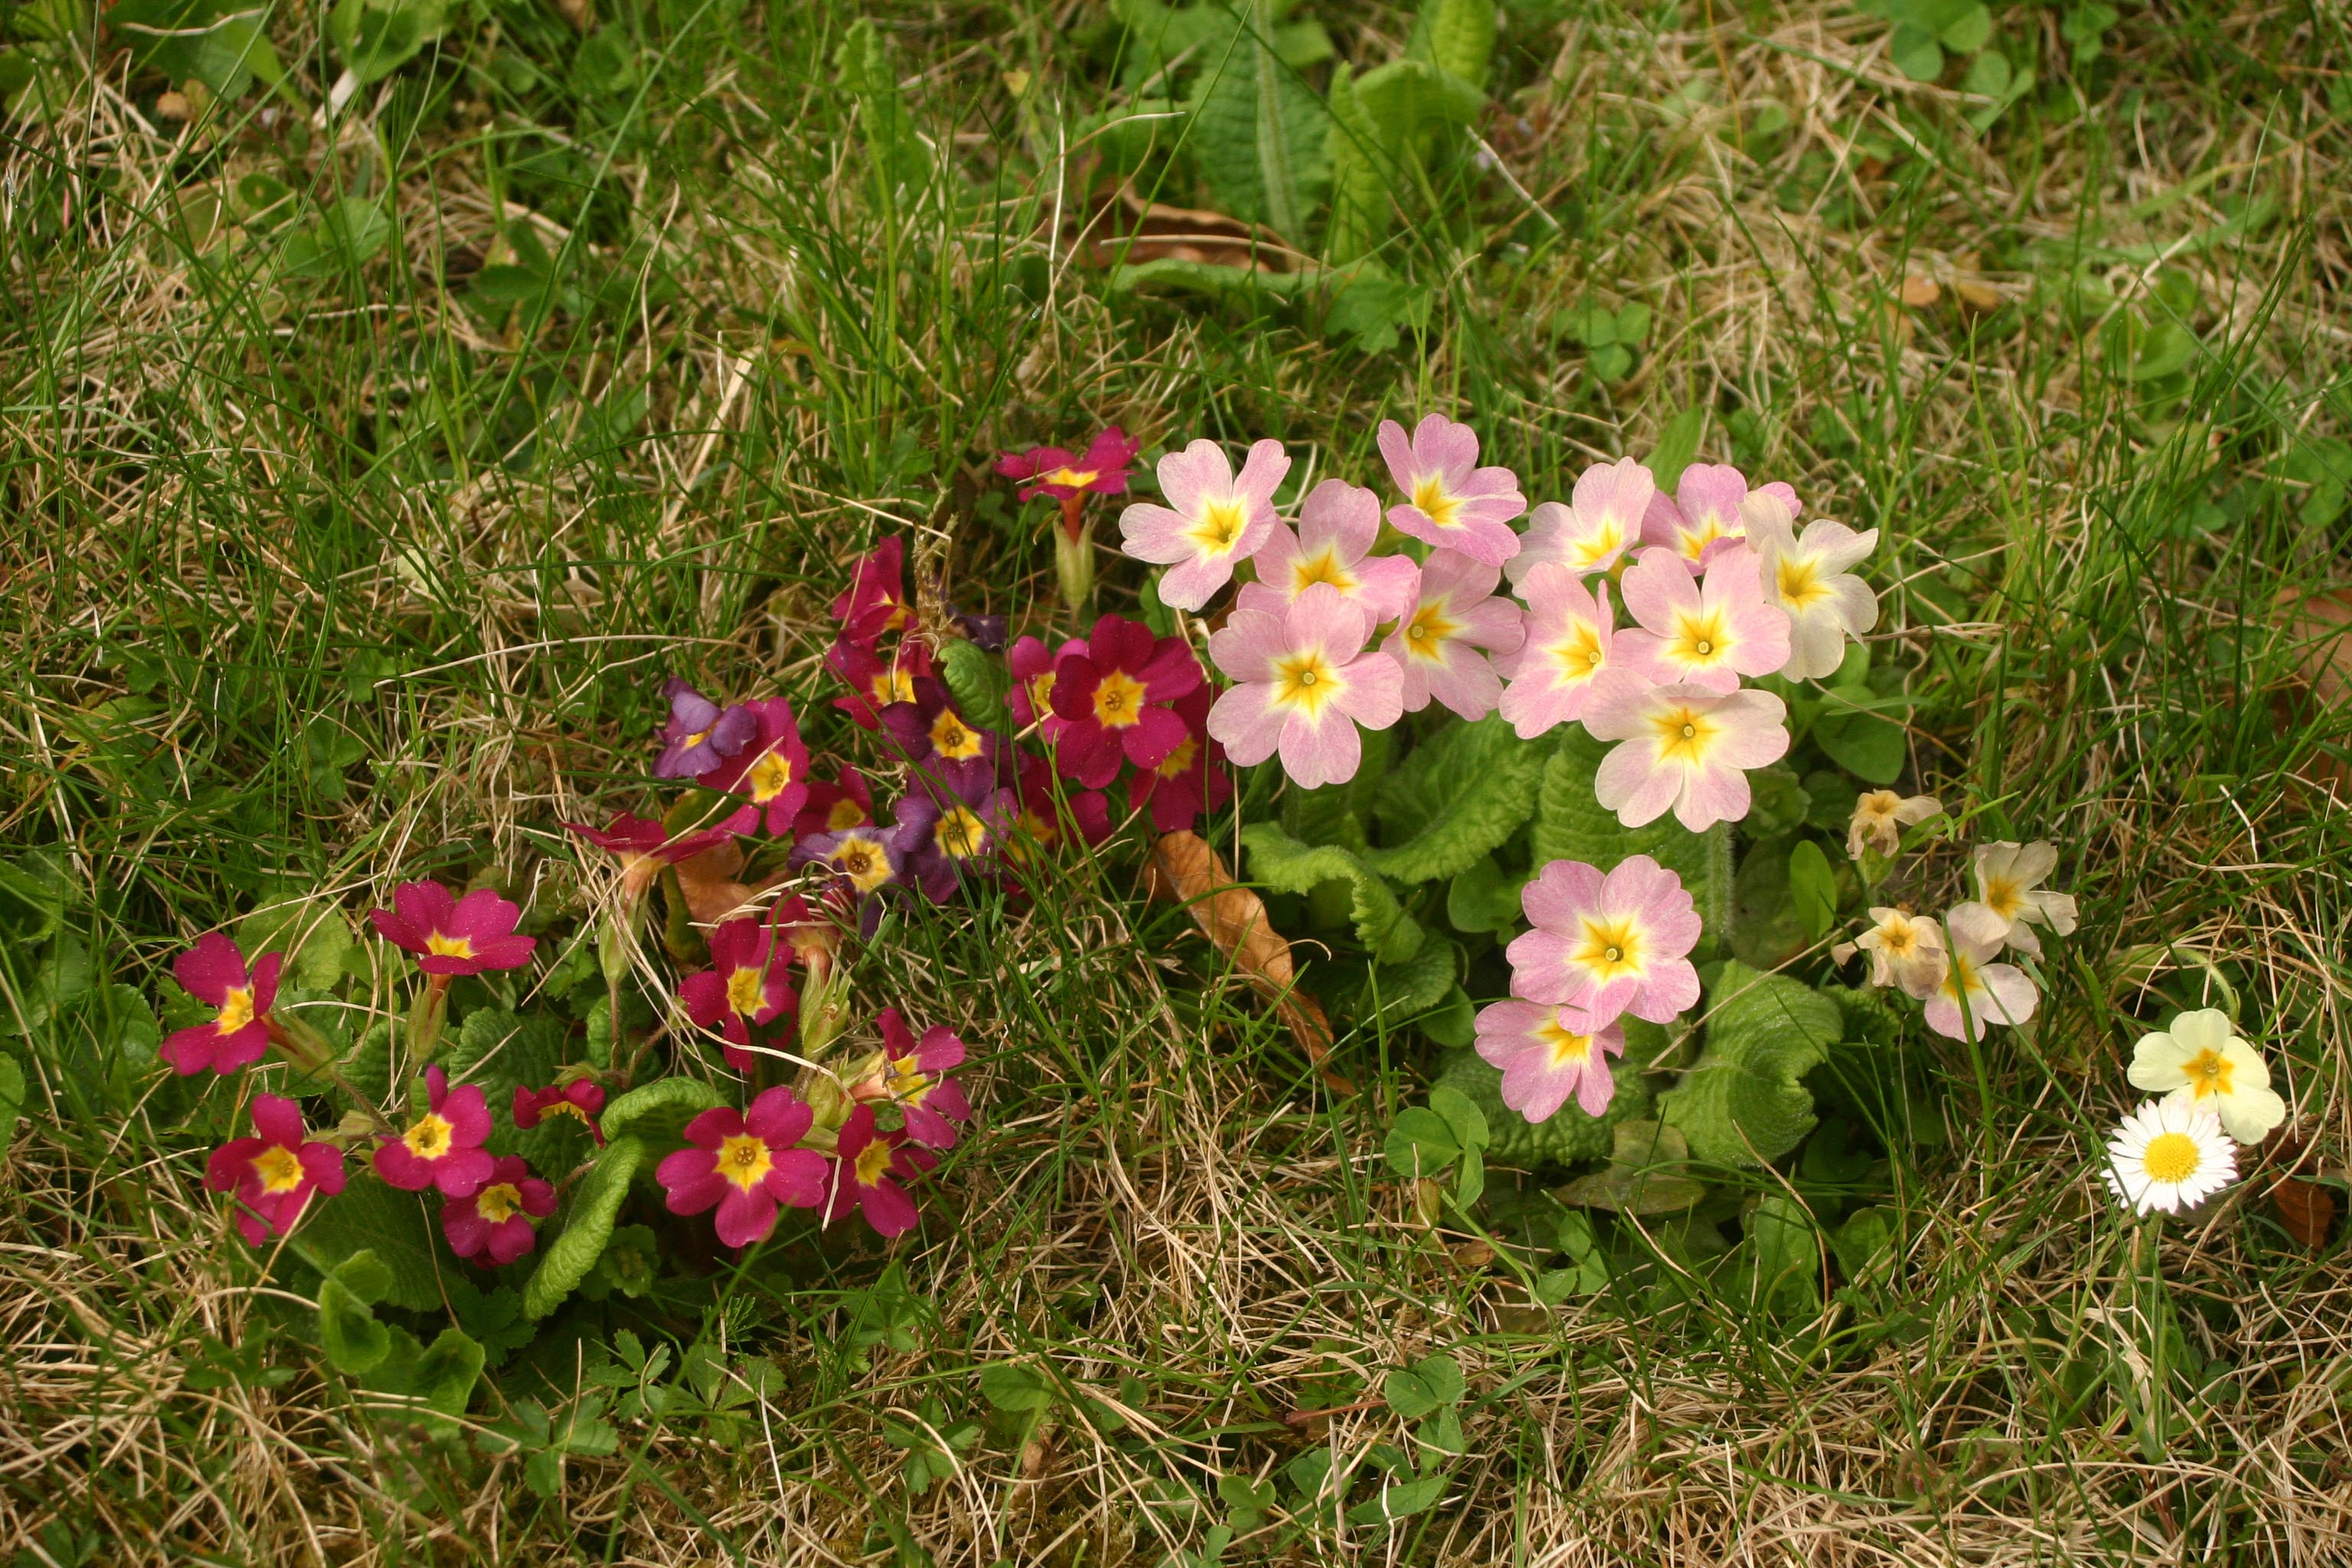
pixel 313 583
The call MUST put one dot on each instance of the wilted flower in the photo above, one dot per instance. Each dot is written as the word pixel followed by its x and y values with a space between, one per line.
pixel 581 1099
pixel 876 600
pixel 913 1075
pixel 1213 520
pixel 1453 616
pixel 745 1164
pixel 771 772
pixel 1449 500
pixel 1706 633
pixel 1808 576
pixel 450 935
pixel 1705 511
pixel 749 984
pixel 1336 527
pixel 1555 675
pixel 1307 681
pixel 1052 471
pixel 1880 815
pixel 874 682
pixel 1191 779
pixel 274 1175
pixel 1686 749
pixel 214 973
pixel 2169 1156
pixel 1977 993
pixel 493 1227
pixel 830 807
pixel 443 1147
pixel 2011 900
pixel 2200 1063
pixel 700 735
pixel 1548 1054
pixel 644 845
pixel 1113 700
pixel 1605 946
pixel 1602 518
pixel 954 833
pixel 1905 950
pixel 869 1169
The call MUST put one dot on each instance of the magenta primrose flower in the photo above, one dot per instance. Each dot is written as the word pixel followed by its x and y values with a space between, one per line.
pixel 1606 946
pixel 863 860
pixel 644 845
pixel 581 1099
pixel 1041 822
pixel 771 772
pixel 1113 700
pixel 1190 780
pixel 273 1175
pixel 1032 665
pixel 1601 520
pixel 700 735
pixel 1708 632
pixel 1306 681
pixel 493 1227
pixel 745 1164
pixel 1445 631
pixel 876 600
pixel 214 973
pixel 1549 1053
pixel 913 1076
pixel 1336 527
pixel 1213 520
pixel 1052 471
pixel 869 1169
pixel 1557 675
pixel 1686 749
pixel 935 738
pixel 442 1147
pixel 450 935
pixel 1705 510
pixel 748 983
pixel 874 682
pixel 1449 500
pixel 830 807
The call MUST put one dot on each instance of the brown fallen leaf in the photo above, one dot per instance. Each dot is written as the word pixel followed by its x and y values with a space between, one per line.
pixel 1920 292
pixel 1124 228
pixel 1185 869
pixel 709 882
pixel 2307 1209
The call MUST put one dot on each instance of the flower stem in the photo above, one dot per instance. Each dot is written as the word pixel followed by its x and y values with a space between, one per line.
pixel 425 1019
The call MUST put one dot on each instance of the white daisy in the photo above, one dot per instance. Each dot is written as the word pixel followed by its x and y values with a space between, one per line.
pixel 2169 1156
pixel 2205 1066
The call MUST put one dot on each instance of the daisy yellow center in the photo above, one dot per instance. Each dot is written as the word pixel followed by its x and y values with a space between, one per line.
pixel 892 686
pixel 430 1137
pixel 845 812
pixel 744 1159
pixel 1611 949
pixel 1222 525
pixel 953 739
pixel 1118 701
pixel 236 1010
pixel 1429 631
pixel 2172 1157
pixel 770 776
pixel 498 1203
pixel 1076 478
pixel 442 945
pixel 1429 494
pixel 1685 735
pixel 873 1162
pixel 1322 567
pixel 1700 639
pixel 1578 657
pixel 2003 897
pixel 908 1080
pixel 2209 1073
pixel 864 863
pixel 1566 1048
pixel 746 991
pixel 962 833
pixel 1307 681
pixel 1799 582
pixel 280 1168
pixel 1586 554
pixel 1180 760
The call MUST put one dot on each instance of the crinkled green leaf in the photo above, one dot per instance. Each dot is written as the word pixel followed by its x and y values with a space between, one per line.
pixel 1287 866
pixel 1407 98
pixel 1460 794
pixel 1461 37
pixel 500 1051
pixel 1743 1102
pixel 1338 813
pixel 1648 1172
pixel 1258 132
pixel 376 37
pixel 353 1340
pixel 1410 989
pixel 368 1216
pixel 1677 446
pixel 1570 823
pixel 313 936
pixel 587 1226
pixel 1483 897
pixel 979 681
pixel 1812 888
pixel 655 1114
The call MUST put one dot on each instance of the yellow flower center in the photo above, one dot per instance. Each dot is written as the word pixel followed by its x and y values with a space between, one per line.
pixel 1586 554
pixel 280 1168
pixel 430 1137
pixel 1077 478
pixel 1799 581
pixel 1323 567
pixel 770 776
pixel 746 991
pixel 1578 657
pixel 744 1159
pixel 1118 701
pixel 1699 640
pixel 2172 1157
pixel 1304 681
pixel 845 814
pixel 1897 939
pixel 696 738
pixel 1221 527
pixel 1566 1048
pixel 1611 949
pixel 1961 979
pixel 863 862
pixel 2208 1074
pixel 1180 760
pixel 236 1010
pixel 893 686
pixel 962 833
pixel 953 739
pixel 443 946
pixel 566 1108
pixel 2003 897
pixel 908 1081
pixel 1704 532
pixel 1429 494
pixel 1429 631
pixel 1683 735
pixel 498 1203
pixel 873 1162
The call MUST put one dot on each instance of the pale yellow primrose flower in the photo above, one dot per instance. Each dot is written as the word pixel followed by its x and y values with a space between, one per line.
pixel 2204 1066
pixel 1907 950
pixel 1880 815
pixel 2010 899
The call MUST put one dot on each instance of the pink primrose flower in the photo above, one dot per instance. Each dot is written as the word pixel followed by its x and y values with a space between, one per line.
pixel 451 935
pixel 273 1175
pixel 771 772
pixel 214 973
pixel 1601 520
pixel 1336 527
pixel 1605 946
pixel 443 1147
pixel 1705 510
pixel 1568 647
pixel 1307 681
pixel 1444 635
pixel 1686 750
pixel 1810 578
pixel 1213 520
pixel 1978 993
pixel 1547 1055
pixel 913 1076
pixel 876 600
pixel 493 1227
pixel 1033 665
pixel 1450 501
pixel 869 1169
pixel 745 1164
pixel 1707 632
pixel 1052 471
pixel 1113 700
pixel 581 1099
pixel 749 984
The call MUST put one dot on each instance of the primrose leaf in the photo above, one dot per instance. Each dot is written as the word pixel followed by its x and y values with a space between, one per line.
pixel 1461 37
pixel 978 680
pixel 1287 866
pixel 1457 797
pixel 587 1226
pixel 347 1331
pixel 1647 1173
pixel 657 1113
pixel 1813 887
pixel 1784 1251
pixel 1570 823
pixel 367 1216
pixel 1743 1102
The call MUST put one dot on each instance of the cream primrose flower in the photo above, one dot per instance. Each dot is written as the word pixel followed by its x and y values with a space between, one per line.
pixel 2202 1064
pixel 2010 899
pixel 1993 992
pixel 1880 815
pixel 1907 951
pixel 2169 1156
pixel 1810 576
